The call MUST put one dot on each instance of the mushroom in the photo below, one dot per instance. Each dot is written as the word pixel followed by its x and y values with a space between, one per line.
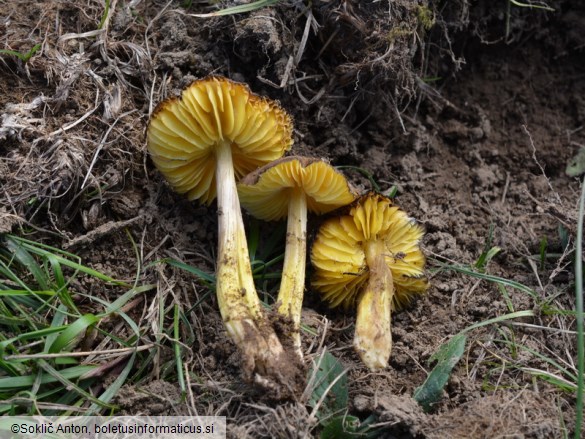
pixel 289 187
pixel 201 142
pixel 370 257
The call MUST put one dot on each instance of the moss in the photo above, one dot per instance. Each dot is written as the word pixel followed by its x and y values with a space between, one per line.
pixel 425 16
pixel 399 31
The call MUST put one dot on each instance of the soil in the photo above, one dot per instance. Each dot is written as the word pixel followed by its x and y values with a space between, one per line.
pixel 473 122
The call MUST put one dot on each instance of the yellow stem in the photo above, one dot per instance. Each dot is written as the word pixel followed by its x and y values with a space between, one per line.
pixel 236 295
pixel 292 285
pixel 373 337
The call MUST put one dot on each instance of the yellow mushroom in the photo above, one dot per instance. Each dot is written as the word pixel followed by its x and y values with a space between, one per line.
pixel 290 187
pixel 370 258
pixel 215 132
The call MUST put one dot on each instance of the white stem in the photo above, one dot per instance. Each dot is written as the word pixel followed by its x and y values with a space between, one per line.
pixel 236 293
pixel 239 304
pixel 292 285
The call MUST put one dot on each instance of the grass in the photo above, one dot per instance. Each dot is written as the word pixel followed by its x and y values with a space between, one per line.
pixel 391 192
pixel 24 57
pixel 364 172
pixel 579 317
pixel 509 352
pixel 329 383
pixel 265 254
pixel 240 9
pixel 49 326
pixel 104 15
pixel 54 309
pixel 327 394
pixel 505 351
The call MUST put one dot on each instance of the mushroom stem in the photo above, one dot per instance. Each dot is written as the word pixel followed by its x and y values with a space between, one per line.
pixel 373 337
pixel 236 295
pixel 292 285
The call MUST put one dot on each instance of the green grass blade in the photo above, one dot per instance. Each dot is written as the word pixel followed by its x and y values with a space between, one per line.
pixel 63 258
pixel 58 321
pixel 57 272
pixel 12 321
pixel 209 278
pixel 506 296
pixel 365 173
pixel 61 284
pixel 330 393
pixel 24 382
pixel 13 293
pixel 138 258
pixel 261 265
pixel 70 385
pixel 24 57
pixel 513 315
pixel 267 276
pixel 253 238
pixel 490 278
pixel 113 388
pixel 488 251
pixel 117 304
pixel 447 357
pixel 74 331
pixel 131 323
pixel 514 345
pixel 579 316
pixel 9 275
pixel 29 336
pixel 11 368
pixel 202 299
pixel 25 259
pixel 105 14
pixel 177 349
pixel 551 378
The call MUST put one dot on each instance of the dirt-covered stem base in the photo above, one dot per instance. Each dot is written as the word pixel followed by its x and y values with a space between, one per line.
pixel 373 337
pixel 236 295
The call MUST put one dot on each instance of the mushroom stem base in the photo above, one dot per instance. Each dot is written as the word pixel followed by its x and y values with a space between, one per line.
pixel 373 337
pixel 236 294
pixel 292 285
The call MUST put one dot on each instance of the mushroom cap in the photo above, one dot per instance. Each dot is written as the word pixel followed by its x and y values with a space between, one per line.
pixel 183 132
pixel 265 192
pixel 339 257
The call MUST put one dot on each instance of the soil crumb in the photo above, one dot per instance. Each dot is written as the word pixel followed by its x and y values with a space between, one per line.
pixel 501 415
pixel 157 398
